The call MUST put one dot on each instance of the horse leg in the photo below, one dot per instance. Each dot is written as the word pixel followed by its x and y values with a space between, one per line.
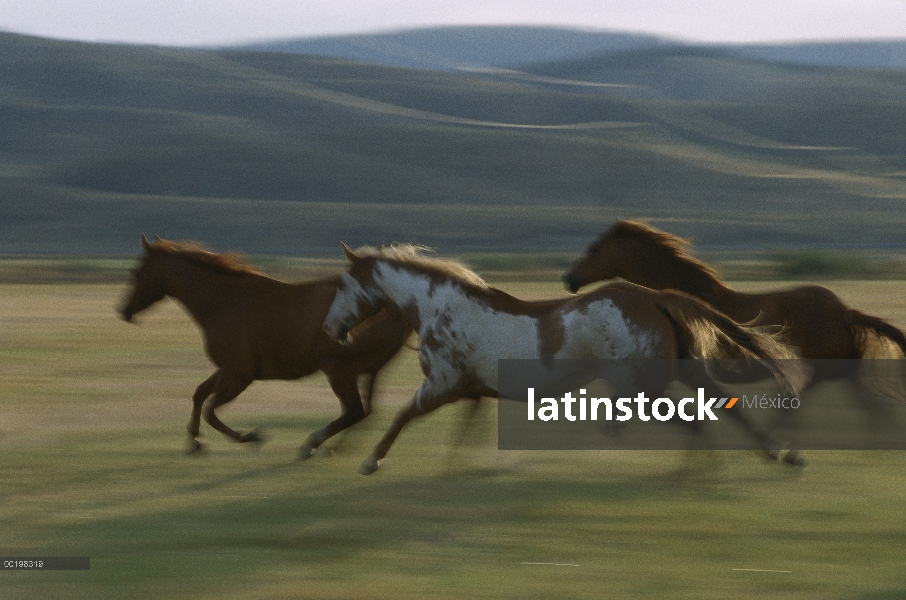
pixel 468 419
pixel 228 386
pixel 875 401
pixel 423 403
pixel 368 396
pixel 345 386
pixel 696 376
pixel 465 424
pixel 201 394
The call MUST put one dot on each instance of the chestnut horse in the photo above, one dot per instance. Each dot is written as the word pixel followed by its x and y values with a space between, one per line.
pixel 814 320
pixel 465 327
pixel 258 328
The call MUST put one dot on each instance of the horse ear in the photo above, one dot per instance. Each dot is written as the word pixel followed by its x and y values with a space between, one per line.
pixel 146 246
pixel 352 256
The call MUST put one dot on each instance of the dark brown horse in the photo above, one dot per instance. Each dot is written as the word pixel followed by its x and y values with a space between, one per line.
pixel 259 328
pixel 815 321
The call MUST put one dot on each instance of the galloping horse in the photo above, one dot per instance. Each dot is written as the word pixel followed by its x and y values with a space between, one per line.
pixel 465 326
pixel 259 328
pixel 815 321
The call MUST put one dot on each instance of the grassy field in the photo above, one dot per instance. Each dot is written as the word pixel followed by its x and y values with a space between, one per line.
pixel 92 438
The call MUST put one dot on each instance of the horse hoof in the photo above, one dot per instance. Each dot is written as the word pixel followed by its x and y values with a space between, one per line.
pixel 793 458
pixel 307 451
pixel 252 436
pixel 194 448
pixel 368 467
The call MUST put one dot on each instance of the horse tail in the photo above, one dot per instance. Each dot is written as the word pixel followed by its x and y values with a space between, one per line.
pixel 705 333
pixel 861 326
pixel 881 376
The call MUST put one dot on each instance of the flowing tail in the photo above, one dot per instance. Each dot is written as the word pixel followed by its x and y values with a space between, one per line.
pixel 862 326
pixel 706 333
pixel 868 334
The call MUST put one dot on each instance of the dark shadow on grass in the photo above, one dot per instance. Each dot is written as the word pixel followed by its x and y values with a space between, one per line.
pixel 892 594
pixel 228 481
pixel 368 517
pixel 354 517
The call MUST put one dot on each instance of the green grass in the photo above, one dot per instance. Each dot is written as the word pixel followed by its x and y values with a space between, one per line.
pixel 241 522
pixel 92 417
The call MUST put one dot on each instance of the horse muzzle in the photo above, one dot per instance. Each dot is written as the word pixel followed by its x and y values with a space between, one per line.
pixel 573 282
pixel 338 333
pixel 126 313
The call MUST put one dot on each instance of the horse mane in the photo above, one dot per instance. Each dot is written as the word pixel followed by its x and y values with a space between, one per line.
pixel 410 255
pixel 229 262
pixel 675 246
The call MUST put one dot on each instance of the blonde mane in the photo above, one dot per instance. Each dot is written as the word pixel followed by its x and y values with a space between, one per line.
pixel 409 255
pixel 676 247
pixel 229 262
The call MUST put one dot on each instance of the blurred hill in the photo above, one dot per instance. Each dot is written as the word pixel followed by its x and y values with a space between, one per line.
pixel 463 48
pixel 282 153
pixel 515 47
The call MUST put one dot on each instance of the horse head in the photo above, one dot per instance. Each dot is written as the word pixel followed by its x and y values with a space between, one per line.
pixel 146 289
pixel 357 298
pixel 600 262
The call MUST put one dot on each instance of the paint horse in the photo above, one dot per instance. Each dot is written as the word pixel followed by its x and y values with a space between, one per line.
pixel 465 326
pixel 815 321
pixel 257 328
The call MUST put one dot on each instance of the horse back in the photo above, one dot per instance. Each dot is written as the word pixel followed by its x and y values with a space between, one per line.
pixel 623 319
pixel 813 318
pixel 268 329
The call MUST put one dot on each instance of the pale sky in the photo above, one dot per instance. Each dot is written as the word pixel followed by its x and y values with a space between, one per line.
pixel 211 22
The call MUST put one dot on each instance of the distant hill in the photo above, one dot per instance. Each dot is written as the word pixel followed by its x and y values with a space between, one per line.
pixel 709 75
pixel 858 54
pixel 464 48
pixel 283 153
pixel 513 47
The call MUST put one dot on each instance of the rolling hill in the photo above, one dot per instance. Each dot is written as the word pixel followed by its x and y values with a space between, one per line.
pixel 283 153
pixel 519 47
pixel 465 47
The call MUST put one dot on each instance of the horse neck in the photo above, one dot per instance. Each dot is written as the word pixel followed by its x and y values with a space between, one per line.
pixel 657 269
pixel 195 287
pixel 418 295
